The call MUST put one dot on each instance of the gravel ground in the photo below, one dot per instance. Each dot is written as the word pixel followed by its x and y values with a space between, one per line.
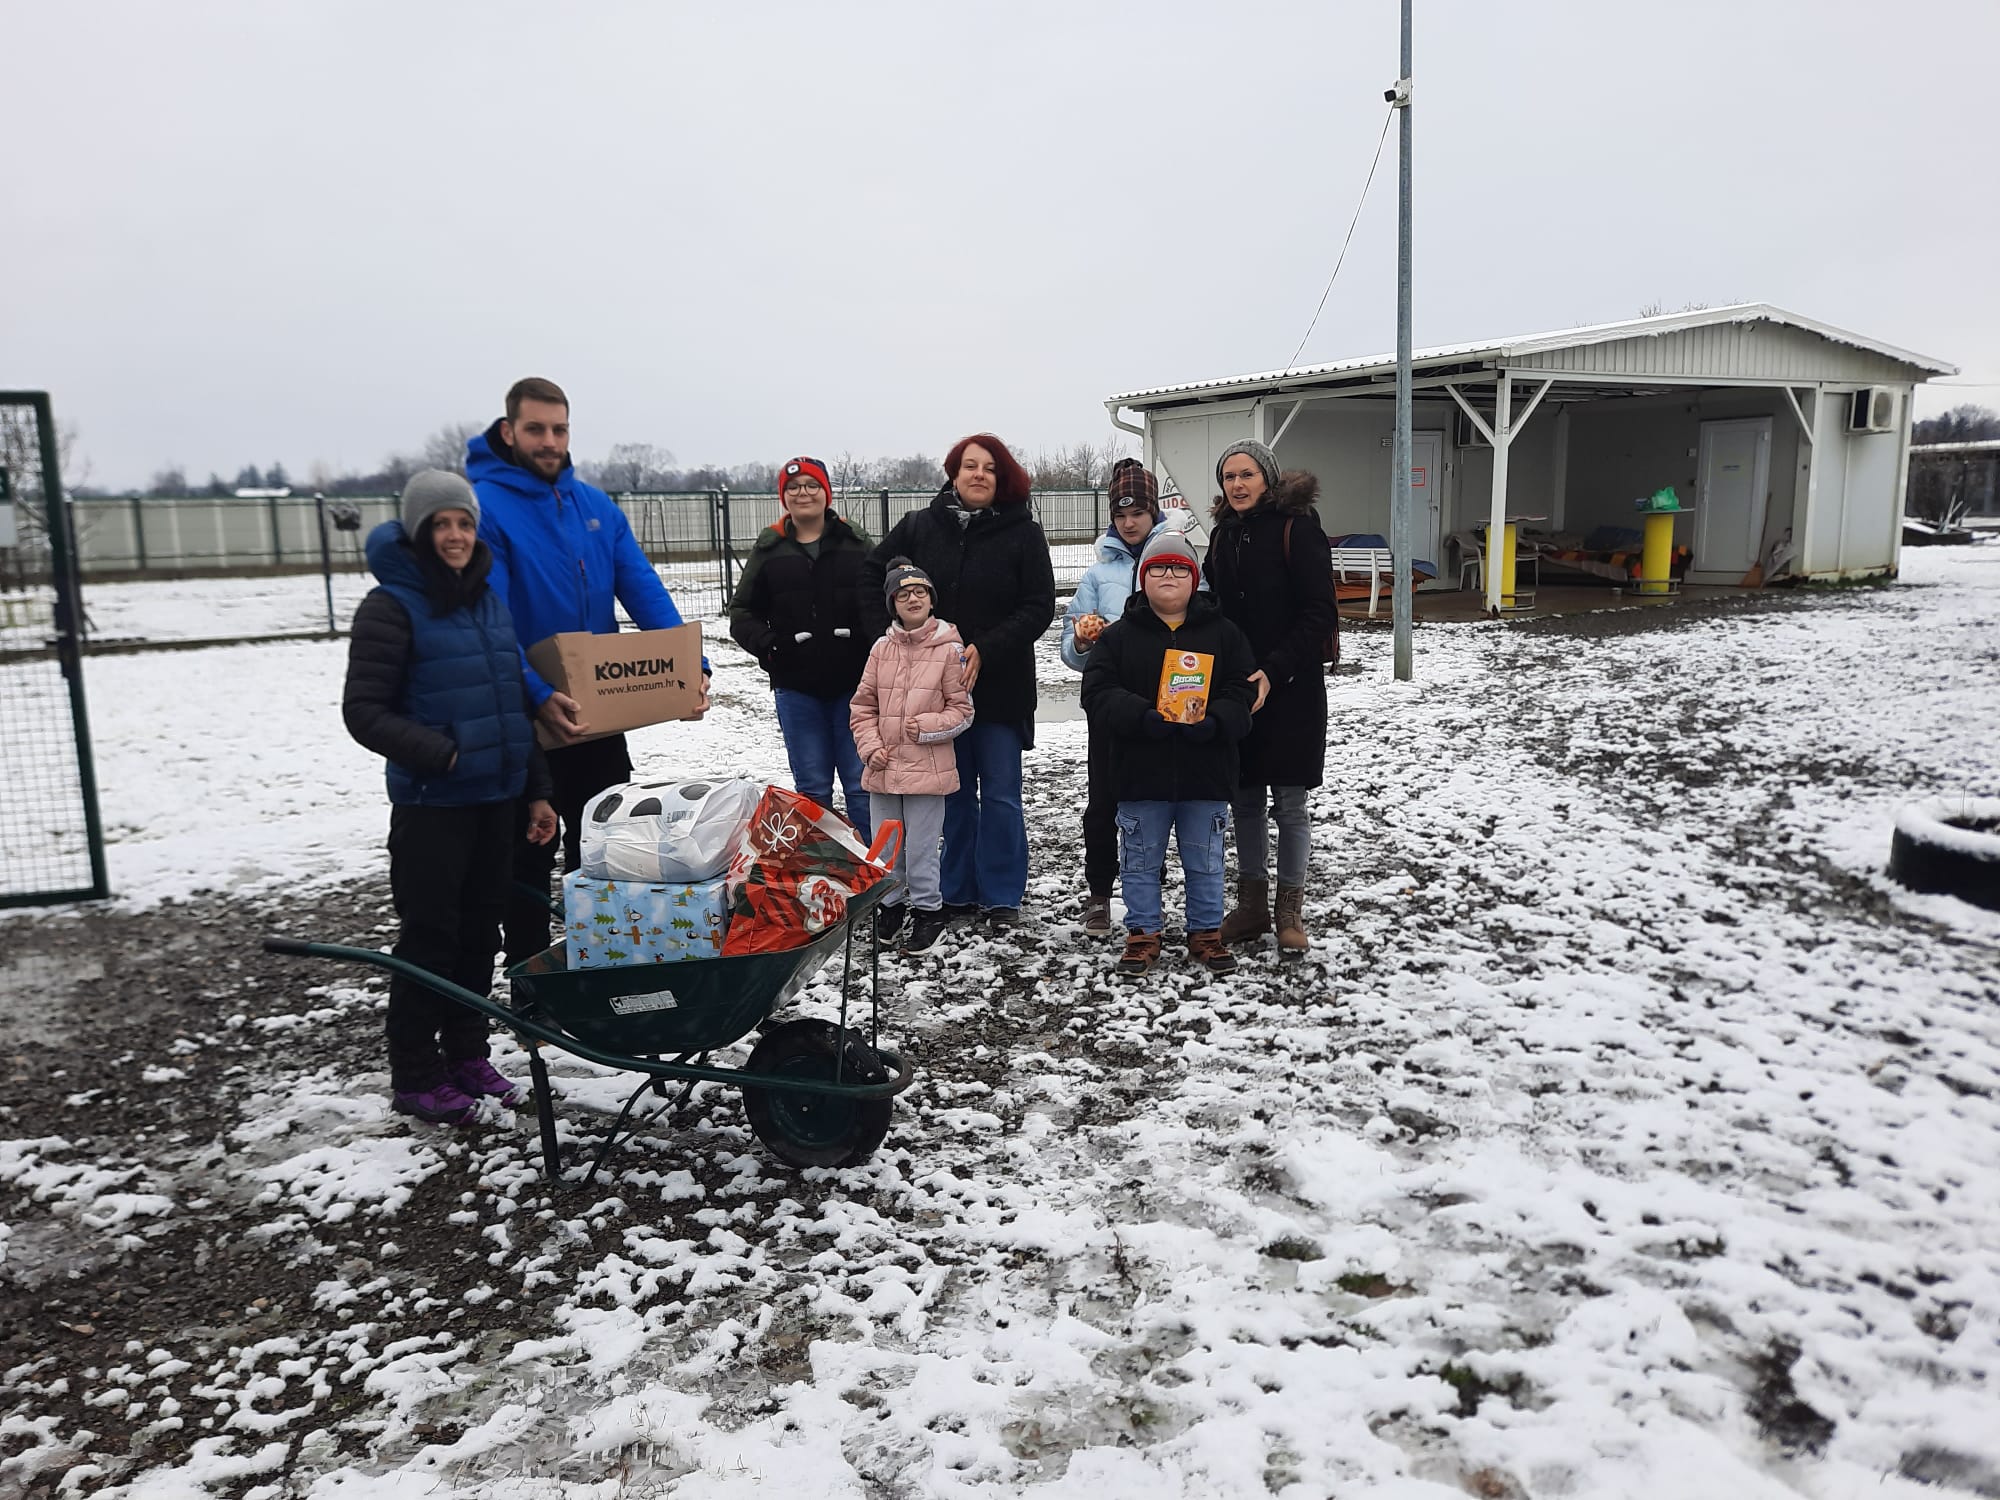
pixel 159 1294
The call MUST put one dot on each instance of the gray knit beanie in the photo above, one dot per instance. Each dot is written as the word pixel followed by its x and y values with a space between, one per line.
pixel 1169 546
pixel 434 490
pixel 1262 456
pixel 902 572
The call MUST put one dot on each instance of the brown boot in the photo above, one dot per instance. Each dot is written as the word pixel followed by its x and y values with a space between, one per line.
pixel 1292 940
pixel 1142 951
pixel 1207 949
pixel 1252 917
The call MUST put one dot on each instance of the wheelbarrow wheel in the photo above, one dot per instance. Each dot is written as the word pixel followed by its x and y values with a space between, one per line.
pixel 816 1130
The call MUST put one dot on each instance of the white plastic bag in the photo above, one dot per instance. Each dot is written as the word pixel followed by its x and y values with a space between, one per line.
pixel 667 830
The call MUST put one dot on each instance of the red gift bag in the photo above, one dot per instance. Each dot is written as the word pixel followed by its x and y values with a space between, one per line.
pixel 795 869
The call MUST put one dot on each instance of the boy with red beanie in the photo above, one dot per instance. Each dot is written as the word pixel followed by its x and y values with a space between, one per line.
pixel 1171 775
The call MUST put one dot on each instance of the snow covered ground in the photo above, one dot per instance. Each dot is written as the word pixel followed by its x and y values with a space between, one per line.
pixel 1625 1134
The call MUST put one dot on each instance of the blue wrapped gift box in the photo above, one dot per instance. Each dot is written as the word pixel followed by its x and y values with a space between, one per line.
pixel 613 923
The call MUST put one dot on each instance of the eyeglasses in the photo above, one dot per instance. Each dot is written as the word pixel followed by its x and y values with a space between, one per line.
pixel 912 591
pixel 1168 570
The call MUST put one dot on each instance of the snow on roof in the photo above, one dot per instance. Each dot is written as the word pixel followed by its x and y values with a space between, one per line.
pixel 1955 450
pixel 1519 345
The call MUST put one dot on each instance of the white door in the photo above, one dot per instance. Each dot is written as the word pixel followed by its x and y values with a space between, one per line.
pixel 1733 481
pixel 1427 495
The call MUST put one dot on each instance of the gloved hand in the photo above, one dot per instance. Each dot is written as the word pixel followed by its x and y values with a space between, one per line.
pixel 1201 731
pixel 1153 727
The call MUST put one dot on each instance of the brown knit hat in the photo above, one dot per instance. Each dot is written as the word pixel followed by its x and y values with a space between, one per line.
pixel 1132 484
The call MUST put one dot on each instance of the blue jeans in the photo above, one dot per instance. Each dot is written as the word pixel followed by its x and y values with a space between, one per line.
pixel 985 834
pixel 818 741
pixel 1198 829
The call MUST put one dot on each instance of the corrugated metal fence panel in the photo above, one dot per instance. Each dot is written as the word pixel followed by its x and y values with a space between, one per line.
pixel 200 533
pixel 1726 351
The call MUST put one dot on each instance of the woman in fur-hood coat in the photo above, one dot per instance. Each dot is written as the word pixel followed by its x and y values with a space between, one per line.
pixel 1272 572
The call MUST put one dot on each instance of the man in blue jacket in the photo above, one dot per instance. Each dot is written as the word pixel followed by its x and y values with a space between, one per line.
pixel 563 557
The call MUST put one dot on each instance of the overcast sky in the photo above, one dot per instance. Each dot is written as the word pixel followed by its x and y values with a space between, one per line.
pixel 241 232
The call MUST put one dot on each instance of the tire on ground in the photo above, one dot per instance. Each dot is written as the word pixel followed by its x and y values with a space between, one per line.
pixel 1949 846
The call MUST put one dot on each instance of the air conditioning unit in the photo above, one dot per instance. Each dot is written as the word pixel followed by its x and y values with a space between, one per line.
pixel 1874 410
pixel 1466 434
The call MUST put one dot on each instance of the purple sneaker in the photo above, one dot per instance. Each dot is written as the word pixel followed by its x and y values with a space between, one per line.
pixel 441 1104
pixel 479 1078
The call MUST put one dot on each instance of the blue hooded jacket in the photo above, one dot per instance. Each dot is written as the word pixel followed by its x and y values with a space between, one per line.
pixel 1106 587
pixel 462 680
pixel 563 554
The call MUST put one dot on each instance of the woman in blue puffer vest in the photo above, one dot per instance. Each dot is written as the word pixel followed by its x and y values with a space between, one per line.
pixel 434 686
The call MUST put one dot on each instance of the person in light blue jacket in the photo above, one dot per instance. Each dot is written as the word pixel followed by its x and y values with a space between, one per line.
pixel 1101 596
pixel 564 559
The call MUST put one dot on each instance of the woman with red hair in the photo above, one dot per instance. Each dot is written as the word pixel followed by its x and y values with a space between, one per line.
pixel 990 563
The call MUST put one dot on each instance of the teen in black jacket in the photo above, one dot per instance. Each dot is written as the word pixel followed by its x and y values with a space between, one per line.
pixel 1170 775
pixel 987 556
pixel 798 610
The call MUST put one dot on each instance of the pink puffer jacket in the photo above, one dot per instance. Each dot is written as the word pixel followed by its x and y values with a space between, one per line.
pixel 910 706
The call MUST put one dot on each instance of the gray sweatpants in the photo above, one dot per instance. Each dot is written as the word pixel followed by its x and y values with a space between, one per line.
pixel 917 873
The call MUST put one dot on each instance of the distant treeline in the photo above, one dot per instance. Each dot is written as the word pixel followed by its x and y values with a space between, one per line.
pixel 637 467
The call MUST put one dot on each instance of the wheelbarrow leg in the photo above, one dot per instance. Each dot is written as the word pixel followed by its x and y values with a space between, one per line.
pixel 653 1082
pixel 545 1110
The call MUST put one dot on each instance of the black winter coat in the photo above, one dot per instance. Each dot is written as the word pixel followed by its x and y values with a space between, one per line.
pixel 1287 609
pixel 1156 762
pixel 994 582
pixel 783 592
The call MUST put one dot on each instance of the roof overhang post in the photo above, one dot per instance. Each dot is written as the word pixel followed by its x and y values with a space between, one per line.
pixel 1496 527
pixel 1805 427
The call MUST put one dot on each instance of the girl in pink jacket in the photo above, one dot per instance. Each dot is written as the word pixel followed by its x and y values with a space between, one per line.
pixel 911 704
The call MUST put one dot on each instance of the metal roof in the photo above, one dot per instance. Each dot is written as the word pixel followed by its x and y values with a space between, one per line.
pixel 1522 345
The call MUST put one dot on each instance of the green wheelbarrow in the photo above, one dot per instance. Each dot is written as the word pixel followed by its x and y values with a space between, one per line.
pixel 817 1093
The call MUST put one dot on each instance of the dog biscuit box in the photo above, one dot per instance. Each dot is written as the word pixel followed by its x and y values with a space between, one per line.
pixel 625 680
pixel 610 924
pixel 1184 678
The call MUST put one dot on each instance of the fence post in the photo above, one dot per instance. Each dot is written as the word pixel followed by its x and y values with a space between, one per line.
pixel 1105 524
pixel 715 543
pixel 325 558
pixel 728 553
pixel 277 537
pixel 139 531
pixel 885 517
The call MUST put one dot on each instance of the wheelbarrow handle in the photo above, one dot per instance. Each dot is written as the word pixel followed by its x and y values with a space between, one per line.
pixel 901 1073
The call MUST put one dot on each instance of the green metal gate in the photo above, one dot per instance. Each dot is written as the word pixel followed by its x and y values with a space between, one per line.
pixel 51 840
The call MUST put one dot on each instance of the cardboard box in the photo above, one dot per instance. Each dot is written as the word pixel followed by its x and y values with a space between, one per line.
pixel 1184 679
pixel 614 923
pixel 623 681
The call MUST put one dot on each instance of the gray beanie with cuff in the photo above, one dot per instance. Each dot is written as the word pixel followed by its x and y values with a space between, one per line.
pixel 1258 454
pixel 434 490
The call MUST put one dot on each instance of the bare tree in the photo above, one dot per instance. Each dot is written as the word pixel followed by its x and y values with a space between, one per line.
pixel 917 472
pixel 445 448
pixel 635 467
pixel 21 456
pixel 171 480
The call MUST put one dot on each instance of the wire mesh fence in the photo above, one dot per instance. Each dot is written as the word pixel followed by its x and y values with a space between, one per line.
pixel 237 565
pixel 52 848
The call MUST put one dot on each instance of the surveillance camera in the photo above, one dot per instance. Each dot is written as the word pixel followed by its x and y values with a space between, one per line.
pixel 1399 94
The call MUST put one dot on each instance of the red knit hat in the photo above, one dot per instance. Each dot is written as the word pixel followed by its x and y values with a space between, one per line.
pixel 810 468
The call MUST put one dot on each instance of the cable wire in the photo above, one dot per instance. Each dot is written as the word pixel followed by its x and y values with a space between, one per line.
pixel 1379 144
